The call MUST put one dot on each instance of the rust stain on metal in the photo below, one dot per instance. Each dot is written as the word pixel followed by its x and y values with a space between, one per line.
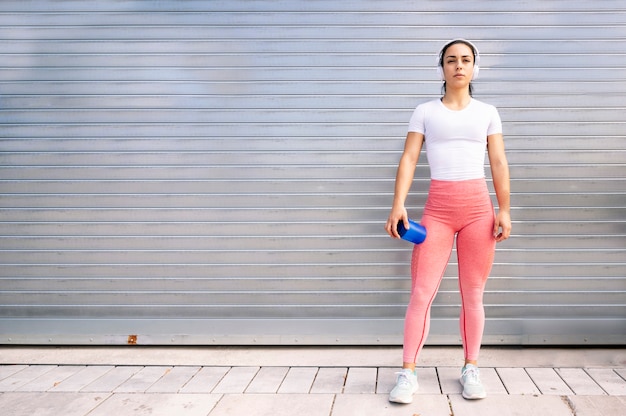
pixel 132 339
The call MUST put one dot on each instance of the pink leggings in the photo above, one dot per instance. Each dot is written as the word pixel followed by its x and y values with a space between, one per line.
pixel 464 209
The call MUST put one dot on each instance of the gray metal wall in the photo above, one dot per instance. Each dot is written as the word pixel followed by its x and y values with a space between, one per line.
pixel 219 172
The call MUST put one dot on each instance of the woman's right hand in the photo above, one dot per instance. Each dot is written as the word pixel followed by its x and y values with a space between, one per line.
pixel 404 177
pixel 396 215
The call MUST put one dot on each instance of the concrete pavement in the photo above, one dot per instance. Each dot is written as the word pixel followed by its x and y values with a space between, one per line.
pixel 342 381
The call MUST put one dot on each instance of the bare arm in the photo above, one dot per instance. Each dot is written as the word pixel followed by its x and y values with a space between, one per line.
pixel 404 179
pixel 501 183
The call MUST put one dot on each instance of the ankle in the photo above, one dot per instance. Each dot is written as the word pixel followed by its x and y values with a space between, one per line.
pixel 409 366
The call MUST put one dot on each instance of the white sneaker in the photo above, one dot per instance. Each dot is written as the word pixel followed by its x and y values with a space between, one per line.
pixel 406 386
pixel 470 380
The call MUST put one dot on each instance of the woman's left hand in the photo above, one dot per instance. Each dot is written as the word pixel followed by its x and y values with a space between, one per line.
pixel 502 226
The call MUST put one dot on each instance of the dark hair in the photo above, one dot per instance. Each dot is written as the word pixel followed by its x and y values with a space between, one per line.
pixel 443 52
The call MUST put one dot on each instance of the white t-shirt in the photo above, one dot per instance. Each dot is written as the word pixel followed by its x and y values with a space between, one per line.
pixel 456 140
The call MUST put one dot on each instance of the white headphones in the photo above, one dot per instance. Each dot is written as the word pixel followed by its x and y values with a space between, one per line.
pixel 474 50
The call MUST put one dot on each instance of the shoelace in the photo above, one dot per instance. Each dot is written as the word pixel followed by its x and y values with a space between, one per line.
pixel 471 375
pixel 403 379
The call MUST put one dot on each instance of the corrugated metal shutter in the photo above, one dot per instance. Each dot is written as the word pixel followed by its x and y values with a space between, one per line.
pixel 220 171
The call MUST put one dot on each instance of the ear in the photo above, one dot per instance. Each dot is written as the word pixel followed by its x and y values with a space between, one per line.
pixel 440 73
pixel 476 71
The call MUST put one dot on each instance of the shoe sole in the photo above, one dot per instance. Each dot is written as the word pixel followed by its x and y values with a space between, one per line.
pixel 473 396
pixel 400 401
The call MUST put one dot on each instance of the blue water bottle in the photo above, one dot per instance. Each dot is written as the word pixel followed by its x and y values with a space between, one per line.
pixel 416 233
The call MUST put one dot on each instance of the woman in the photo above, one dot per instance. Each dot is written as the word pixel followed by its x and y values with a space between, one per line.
pixel 456 130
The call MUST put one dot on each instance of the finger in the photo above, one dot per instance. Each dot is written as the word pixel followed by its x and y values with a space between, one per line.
pixel 391 229
pixel 388 229
pixel 504 235
pixel 405 223
pixel 506 230
pixel 394 228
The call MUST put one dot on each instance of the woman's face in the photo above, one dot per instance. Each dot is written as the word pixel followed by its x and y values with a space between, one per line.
pixel 458 65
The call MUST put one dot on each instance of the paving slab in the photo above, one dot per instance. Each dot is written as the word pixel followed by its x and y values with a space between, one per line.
pixel 205 380
pixel 449 380
pixel 361 380
pixel 236 380
pixel 449 377
pixel 17 380
pixel 609 380
pixel 387 379
pixel 428 381
pixel 274 405
pixel 268 380
pixel 491 381
pixel 140 404
pixel 50 404
pixel 329 380
pixel 580 382
pixel 142 380
pixel 598 405
pixel 112 379
pixel 82 378
pixel 499 405
pixel 51 378
pixel 517 381
pixel 379 405
pixel 9 370
pixel 548 381
pixel 173 380
pixel 298 380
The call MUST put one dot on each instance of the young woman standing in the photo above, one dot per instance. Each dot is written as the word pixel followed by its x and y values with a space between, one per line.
pixel 456 130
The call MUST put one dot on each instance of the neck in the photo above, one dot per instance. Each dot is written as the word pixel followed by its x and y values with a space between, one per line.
pixel 456 99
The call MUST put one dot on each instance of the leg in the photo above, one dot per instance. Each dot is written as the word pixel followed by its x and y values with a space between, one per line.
pixel 475 250
pixel 428 264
